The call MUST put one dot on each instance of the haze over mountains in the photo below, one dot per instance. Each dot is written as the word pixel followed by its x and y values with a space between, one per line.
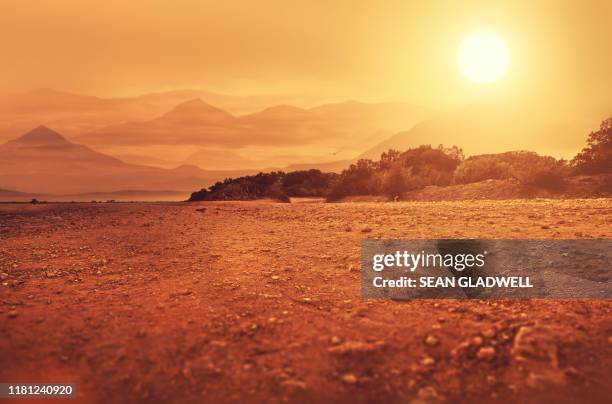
pixel 275 136
pixel 75 114
pixel 180 141
pixel 43 161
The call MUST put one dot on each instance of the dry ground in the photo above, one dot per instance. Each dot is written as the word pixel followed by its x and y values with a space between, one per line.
pixel 260 301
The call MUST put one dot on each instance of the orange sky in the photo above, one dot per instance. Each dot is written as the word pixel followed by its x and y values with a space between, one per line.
pixel 561 51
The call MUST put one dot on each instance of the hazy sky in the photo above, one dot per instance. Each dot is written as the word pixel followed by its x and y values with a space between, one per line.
pixel 368 50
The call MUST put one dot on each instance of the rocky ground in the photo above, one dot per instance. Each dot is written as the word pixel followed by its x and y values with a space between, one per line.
pixel 228 302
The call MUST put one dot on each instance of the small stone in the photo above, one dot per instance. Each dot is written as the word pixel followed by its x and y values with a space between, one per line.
pixel 217 343
pixel 348 229
pixel 366 230
pixel 428 361
pixel 427 393
pixel 476 341
pixel 489 333
pixel 335 340
pixel 12 314
pixel 486 353
pixel 293 385
pixel 275 277
pixel 349 378
pixel 432 340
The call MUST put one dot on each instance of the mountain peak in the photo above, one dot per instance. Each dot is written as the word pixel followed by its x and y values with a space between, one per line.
pixel 42 135
pixel 196 108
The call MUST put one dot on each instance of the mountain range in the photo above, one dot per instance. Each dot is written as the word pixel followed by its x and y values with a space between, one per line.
pixel 74 114
pixel 43 161
pixel 275 136
pixel 175 141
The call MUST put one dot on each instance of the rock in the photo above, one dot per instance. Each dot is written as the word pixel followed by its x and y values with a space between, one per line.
pixel 476 341
pixel 428 361
pixel 535 353
pixel 335 340
pixel 13 314
pixel 217 343
pixel 356 347
pixel 535 343
pixel 427 393
pixel 366 230
pixel 486 353
pixel 489 333
pixel 293 385
pixel 349 378
pixel 432 340
pixel 348 229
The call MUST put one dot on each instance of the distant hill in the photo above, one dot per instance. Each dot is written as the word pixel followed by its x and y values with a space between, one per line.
pixel 117 196
pixel 273 134
pixel 492 125
pixel 43 161
pixel 75 114
pixel 331 167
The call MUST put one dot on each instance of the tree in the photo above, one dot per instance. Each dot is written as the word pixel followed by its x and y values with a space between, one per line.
pixel 395 183
pixel 596 157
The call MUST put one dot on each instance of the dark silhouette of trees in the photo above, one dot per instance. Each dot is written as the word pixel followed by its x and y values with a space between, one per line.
pixel 397 172
pixel 596 157
pixel 276 185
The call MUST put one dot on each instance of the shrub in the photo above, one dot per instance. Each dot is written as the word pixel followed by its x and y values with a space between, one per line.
pixel 545 172
pixel 394 182
pixel 482 168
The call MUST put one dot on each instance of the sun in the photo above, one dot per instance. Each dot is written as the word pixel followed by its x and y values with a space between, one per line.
pixel 483 57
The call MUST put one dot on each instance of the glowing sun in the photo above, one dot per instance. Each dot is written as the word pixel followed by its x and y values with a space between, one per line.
pixel 483 57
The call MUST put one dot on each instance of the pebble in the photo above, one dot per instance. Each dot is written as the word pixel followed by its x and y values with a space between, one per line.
pixel 349 378
pixel 13 314
pixel 427 393
pixel 476 341
pixel 486 353
pixel 432 340
pixel 428 361
pixel 293 385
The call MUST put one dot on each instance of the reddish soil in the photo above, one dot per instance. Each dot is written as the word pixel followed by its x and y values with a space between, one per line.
pixel 261 301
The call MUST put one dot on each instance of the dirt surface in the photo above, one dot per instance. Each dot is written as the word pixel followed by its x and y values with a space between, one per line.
pixel 257 301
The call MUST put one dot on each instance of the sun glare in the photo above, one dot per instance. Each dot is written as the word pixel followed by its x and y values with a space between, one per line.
pixel 483 57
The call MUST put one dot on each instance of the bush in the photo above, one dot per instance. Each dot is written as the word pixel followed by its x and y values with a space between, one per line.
pixel 482 168
pixel 546 173
pixel 394 183
pixel 307 183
